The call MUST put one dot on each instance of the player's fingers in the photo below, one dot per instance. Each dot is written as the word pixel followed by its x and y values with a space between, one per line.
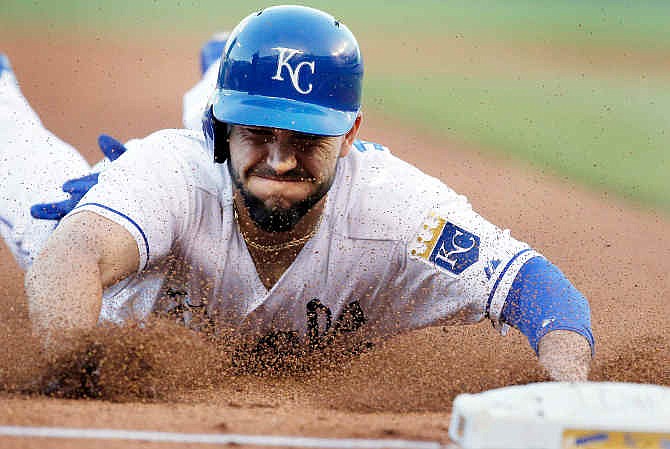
pixel 81 185
pixel 56 210
pixel 110 147
pixel 49 211
pixel 76 377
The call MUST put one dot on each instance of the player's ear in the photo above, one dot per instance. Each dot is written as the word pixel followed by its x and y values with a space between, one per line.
pixel 350 136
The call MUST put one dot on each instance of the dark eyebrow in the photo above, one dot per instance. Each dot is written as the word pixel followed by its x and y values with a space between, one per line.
pixel 305 136
pixel 263 131
pixel 258 130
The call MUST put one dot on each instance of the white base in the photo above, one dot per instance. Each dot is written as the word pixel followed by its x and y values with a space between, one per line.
pixel 537 416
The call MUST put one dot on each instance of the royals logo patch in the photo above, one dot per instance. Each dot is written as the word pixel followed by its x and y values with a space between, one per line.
pixel 445 245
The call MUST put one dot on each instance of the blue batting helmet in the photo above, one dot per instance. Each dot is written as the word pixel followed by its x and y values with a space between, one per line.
pixel 287 67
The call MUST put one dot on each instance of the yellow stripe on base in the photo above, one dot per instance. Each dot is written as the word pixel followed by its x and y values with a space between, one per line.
pixel 605 439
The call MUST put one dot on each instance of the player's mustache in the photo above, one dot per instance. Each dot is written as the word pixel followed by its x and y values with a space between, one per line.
pixel 296 175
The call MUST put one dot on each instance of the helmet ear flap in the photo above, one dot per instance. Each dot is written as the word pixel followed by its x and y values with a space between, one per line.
pixel 216 136
pixel 221 142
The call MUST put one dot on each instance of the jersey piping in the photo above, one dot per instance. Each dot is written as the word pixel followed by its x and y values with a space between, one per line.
pixel 135 230
pixel 503 284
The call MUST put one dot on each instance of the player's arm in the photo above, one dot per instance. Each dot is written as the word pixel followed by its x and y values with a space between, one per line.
pixel 128 220
pixel 554 316
pixel 483 269
pixel 566 355
pixel 85 254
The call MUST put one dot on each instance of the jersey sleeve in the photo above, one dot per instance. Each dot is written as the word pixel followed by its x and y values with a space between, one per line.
pixel 149 191
pixel 457 267
pixel 460 268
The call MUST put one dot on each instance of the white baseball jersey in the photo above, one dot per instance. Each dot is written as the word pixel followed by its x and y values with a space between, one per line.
pixel 34 164
pixel 398 246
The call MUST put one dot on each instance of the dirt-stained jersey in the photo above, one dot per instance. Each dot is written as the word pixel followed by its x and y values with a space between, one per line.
pixel 395 245
pixel 34 164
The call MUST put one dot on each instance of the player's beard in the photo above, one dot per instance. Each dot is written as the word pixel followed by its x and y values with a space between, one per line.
pixel 276 219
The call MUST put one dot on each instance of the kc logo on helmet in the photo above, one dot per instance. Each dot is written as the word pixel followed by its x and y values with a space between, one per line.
pixel 285 55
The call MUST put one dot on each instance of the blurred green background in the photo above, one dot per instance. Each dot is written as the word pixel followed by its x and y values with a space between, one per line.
pixel 580 88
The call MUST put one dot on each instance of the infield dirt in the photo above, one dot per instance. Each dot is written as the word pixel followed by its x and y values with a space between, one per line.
pixel 615 253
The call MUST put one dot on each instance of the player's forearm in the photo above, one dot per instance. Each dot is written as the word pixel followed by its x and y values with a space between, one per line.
pixel 64 289
pixel 565 355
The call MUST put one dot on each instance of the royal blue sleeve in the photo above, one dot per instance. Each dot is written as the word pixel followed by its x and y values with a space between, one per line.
pixel 542 299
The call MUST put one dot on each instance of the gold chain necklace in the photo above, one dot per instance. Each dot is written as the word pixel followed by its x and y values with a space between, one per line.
pixel 277 246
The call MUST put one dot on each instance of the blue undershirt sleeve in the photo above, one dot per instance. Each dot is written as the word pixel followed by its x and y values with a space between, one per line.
pixel 542 299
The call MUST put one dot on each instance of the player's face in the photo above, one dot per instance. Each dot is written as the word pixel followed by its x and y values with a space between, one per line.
pixel 281 174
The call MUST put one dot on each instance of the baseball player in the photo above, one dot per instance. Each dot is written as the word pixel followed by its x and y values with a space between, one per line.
pixel 35 162
pixel 277 220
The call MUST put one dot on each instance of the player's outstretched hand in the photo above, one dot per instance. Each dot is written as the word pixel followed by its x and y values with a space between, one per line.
pixel 77 378
pixel 111 363
pixel 78 187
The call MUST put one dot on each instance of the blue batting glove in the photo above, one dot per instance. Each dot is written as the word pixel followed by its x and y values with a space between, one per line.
pixel 78 187
pixel 110 147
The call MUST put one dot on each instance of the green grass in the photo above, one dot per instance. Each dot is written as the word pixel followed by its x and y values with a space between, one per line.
pixel 609 135
pixel 629 23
